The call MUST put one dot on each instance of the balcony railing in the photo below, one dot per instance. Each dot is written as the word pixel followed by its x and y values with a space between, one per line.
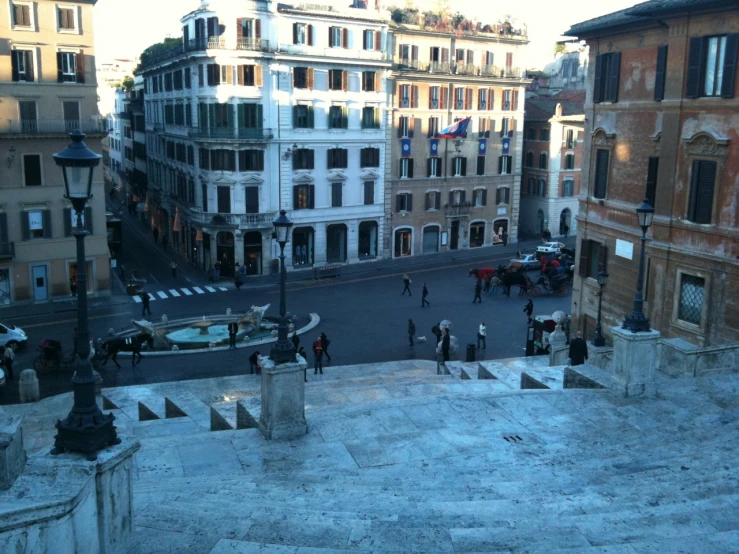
pixel 406 64
pixel 242 221
pixel 7 250
pixel 220 43
pixel 50 126
pixel 458 208
pixel 231 133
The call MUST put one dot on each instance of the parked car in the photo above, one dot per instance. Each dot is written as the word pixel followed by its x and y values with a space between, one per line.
pixel 13 336
pixel 549 248
pixel 529 261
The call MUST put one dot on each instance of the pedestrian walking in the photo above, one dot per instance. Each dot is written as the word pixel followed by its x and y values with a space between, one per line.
pixel 482 332
pixel 578 350
pixel 424 294
pixel 254 366
pixel 478 290
pixel 566 229
pixel 324 344
pixel 173 267
pixel 504 236
pixel 217 267
pixel 406 285
pixel 296 342
pixel 73 286
pixel 445 345
pixel 237 280
pixel 317 357
pixel 144 303
pixel 211 274
pixel 528 310
pixel 411 331
pixel 303 354
pixel 8 359
pixel 155 234
pixel 242 271
pixel 233 329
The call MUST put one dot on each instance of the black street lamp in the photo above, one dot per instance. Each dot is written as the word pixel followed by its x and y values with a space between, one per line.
pixel 86 429
pixel 282 351
pixel 598 338
pixel 636 321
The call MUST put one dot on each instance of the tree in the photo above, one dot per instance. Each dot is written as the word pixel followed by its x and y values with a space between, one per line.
pixel 559 48
pixel 127 83
pixel 149 54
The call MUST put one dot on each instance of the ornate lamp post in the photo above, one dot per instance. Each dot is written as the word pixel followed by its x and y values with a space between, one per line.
pixel 86 429
pixel 636 321
pixel 282 351
pixel 598 338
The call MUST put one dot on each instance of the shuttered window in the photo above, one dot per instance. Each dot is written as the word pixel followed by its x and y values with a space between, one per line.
pixel 32 170
pixel 593 258
pixel 651 193
pixel 303 158
pixel 369 157
pixel 659 79
pixel 602 158
pixel 712 66
pixel 304 197
pixel 337 158
pixel 702 183
pixel 607 71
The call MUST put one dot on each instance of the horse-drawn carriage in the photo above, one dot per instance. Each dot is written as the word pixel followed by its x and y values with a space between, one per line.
pixel 51 358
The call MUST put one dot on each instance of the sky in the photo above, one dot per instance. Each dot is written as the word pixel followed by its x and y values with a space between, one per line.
pixel 122 32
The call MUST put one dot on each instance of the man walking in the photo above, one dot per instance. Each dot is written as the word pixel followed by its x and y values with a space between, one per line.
pixel 482 332
pixel 324 345
pixel 424 294
pixel 8 359
pixel 445 345
pixel 296 341
pixel 478 290
pixel 233 329
pixel 411 331
pixel 406 285
pixel 529 309
pixel 317 356
pixel 173 267
pixel 144 303
pixel 254 366
pixel 578 350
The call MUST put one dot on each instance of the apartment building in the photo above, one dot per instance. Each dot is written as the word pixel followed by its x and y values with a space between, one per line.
pixel 554 133
pixel 661 123
pixel 446 194
pixel 264 107
pixel 47 89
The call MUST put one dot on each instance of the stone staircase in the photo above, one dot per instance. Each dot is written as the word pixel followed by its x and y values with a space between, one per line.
pixel 400 459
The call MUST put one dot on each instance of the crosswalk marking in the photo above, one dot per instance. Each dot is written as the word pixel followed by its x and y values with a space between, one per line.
pixel 137 299
pixel 198 290
pixel 162 294
pixel 152 297
pixel 223 288
pixel 187 292
pixel 210 289
pixel 174 293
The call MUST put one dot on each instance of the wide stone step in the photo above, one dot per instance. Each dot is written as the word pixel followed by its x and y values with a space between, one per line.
pixel 139 403
pixel 543 378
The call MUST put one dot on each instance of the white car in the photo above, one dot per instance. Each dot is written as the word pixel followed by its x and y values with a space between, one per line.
pixel 529 261
pixel 13 336
pixel 550 248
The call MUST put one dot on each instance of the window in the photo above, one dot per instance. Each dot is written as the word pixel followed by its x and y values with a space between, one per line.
pixel 505 165
pixel 22 65
pixel 457 197
pixel 338 37
pixel 482 127
pixel 592 258
pixel 177 80
pixel 460 166
pixel 303 77
pixel 369 157
pixel 544 135
pixel 249 75
pixel 224 200
pixel 36 224
pixel 434 97
pixel 459 98
pixel 303 158
pixel 369 193
pixel 531 134
pixel 371 40
pixel 251 199
pixel 204 157
pixel 702 182
pixel 433 200
pixel 21 15
pixel 303 117
pixel 408 96
pixel 29 123
pixel 712 66
pixel 336 158
pixel 249 116
pixel 303 197
pixel 480 165
pixel 370 117
pixel 568 187
pixel 338 117
pixel 403 126
pixel 601 173
pixel 337 79
pixel 336 194
pixel 542 190
pixel 529 159
pixel 569 161
pixel 433 126
pixel 502 195
pixel 404 202
pixel 406 168
pixel 188 78
pixel 251 160
pixel 370 81
pixel 543 160
pixel 505 125
pixel 302 34
pixel 433 167
pixel 482 99
pixel 652 170
pixel 32 170
pixel 70 67
pixel 479 198
pixel 607 69
pixel 570 138
pixel 168 82
pixel 692 294
pixel 222 160
pixel 532 186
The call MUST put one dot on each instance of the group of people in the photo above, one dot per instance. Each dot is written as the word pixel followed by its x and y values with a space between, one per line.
pixel 7 358
pixel 320 349
pixel 407 288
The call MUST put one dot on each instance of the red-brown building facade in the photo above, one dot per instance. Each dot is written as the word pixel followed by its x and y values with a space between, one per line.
pixel 662 120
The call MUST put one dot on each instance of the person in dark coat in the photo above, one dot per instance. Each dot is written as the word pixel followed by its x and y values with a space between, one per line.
pixel 254 366
pixel 445 345
pixel 504 236
pixel 424 294
pixel 233 329
pixel 578 350
pixel 8 359
pixel 411 331
pixel 406 285
pixel 478 290
pixel 324 344
pixel 437 333
pixel 317 357
pixel 528 310
pixel 144 303
pixel 296 342
pixel 301 352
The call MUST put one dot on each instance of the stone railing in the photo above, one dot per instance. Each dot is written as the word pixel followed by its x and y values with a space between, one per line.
pixel 242 221
pixel 679 358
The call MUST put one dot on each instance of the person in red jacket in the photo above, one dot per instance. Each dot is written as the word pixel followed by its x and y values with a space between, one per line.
pixel 317 356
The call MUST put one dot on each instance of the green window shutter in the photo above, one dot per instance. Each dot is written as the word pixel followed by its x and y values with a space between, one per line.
pixel 240 113
pixel 25 231
pixel 310 117
pixel 260 118
pixel 47 224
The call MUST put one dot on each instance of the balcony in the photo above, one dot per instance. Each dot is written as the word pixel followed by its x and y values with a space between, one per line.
pixel 241 221
pixel 231 134
pixel 501 72
pixel 7 250
pixel 458 209
pixel 40 127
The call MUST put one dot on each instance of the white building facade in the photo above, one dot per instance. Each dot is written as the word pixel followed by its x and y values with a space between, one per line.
pixel 266 108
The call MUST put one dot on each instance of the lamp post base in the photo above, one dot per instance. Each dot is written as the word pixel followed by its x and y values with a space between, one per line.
pixel 636 322
pixel 86 434
pixel 598 340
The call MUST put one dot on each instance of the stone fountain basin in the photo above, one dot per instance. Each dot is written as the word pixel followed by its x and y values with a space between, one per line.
pixel 190 337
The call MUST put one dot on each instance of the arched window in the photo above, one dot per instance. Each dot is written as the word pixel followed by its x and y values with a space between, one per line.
pixel 529 159
pixel 542 187
pixel 569 160
pixel 543 160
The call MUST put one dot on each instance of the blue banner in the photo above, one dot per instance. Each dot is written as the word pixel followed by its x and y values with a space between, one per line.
pixel 434 147
pixel 506 145
pixel 482 150
pixel 405 147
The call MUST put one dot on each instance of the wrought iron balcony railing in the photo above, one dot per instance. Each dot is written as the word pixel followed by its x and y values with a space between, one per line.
pixel 50 126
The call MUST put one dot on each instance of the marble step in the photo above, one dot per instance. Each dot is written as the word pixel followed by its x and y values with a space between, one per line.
pixel 139 403
pixel 543 378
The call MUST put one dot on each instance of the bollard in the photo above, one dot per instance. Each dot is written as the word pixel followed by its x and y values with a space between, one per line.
pixel 470 357
pixel 175 348
pixel 228 311
pixel 164 319
pixel 28 386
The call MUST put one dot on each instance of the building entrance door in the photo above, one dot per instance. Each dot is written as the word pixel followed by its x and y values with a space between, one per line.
pixel 454 239
pixel 39 283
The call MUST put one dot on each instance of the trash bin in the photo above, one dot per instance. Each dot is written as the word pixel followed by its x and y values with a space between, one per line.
pixel 470 353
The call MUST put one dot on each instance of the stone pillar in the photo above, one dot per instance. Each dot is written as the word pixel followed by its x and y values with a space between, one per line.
pixel 238 248
pixel 12 453
pixel 283 400
pixel 634 361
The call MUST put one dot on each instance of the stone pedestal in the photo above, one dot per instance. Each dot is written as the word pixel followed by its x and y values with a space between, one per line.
pixel 635 361
pixel 12 454
pixel 28 388
pixel 283 400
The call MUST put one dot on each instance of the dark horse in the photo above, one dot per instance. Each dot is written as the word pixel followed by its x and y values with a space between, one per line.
pixel 513 277
pixel 126 344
